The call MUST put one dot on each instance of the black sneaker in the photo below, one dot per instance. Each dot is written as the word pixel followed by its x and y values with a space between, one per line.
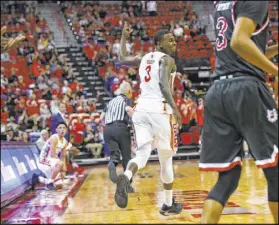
pixel 35 180
pixel 112 172
pixel 51 187
pixel 131 189
pixel 175 209
pixel 121 193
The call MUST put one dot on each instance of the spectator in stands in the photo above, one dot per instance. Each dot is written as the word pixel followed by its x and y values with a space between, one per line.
pixel 12 123
pixel 92 141
pixel 138 27
pixel 41 82
pixel 186 84
pixel 200 113
pixel 116 47
pixel 145 36
pixel 44 135
pixel 11 135
pixel 132 74
pixel 11 103
pixel 25 137
pixel 22 121
pixel 44 114
pixel 59 114
pixel 102 140
pixel 151 8
pixel 33 110
pixel 178 31
pixel 137 7
pixel 101 59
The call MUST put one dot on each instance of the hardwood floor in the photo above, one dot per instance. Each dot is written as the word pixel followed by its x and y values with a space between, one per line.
pixel 94 202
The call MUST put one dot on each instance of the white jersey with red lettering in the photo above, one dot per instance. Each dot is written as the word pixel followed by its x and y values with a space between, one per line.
pixel 45 154
pixel 151 98
pixel 153 123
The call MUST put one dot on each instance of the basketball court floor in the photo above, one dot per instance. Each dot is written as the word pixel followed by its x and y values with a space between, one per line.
pixel 94 202
pixel 90 199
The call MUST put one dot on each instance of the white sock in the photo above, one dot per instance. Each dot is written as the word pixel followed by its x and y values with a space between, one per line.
pixel 129 174
pixel 168 197
pixel 43 180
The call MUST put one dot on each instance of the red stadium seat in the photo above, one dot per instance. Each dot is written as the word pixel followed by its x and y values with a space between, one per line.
pixel 186 138
pixel 196 137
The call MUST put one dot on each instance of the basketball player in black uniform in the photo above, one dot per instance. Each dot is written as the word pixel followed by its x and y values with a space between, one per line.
pixel 239 106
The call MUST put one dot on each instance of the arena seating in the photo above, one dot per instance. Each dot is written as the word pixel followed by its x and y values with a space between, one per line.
pixel 192 49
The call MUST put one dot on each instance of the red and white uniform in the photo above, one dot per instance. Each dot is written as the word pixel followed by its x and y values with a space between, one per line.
pixel 153 122
pixel 46 162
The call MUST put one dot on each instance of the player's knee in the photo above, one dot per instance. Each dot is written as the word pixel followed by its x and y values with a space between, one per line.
pixel 167 177
pixel 166 171
pixel 271 175
pixel 227 183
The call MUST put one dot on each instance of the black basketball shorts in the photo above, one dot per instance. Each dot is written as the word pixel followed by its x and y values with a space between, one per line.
pixel 239 109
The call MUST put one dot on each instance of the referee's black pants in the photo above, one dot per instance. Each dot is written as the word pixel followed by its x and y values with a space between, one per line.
pixel 118 139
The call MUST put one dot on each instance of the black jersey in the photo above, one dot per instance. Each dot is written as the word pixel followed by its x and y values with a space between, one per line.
pixel 226 14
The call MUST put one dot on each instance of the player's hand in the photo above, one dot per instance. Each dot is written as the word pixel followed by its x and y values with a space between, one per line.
pixel 127 30
pixel 8 43
pixel 178 118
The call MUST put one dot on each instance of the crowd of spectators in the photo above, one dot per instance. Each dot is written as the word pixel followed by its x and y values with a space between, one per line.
pixel 99 30
pixel 100 36
pixel 36 80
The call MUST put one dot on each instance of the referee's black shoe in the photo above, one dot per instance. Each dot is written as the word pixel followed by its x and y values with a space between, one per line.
pixel 112 172
pixel 121 193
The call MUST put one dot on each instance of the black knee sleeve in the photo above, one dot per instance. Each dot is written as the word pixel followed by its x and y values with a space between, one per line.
pixel 225 186
pixel 271 175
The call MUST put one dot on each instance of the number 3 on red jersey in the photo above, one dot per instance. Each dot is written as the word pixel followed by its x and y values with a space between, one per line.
pixel 221 41
pixel 147 78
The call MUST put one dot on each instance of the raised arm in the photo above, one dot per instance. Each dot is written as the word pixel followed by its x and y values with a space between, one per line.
pixel 123 58
pixel 167 65
pixel 8 43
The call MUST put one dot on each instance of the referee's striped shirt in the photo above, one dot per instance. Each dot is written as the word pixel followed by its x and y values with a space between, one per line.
pixel 115 110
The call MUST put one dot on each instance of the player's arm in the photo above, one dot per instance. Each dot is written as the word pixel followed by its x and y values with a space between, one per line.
pixel 64 153
pixel 8 43
pixel 241 41
pixel 53 146
pixel 166 66
pixel 124 59
pixel 271 51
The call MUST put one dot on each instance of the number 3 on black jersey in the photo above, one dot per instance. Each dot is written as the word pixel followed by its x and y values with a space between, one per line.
pixel 221 40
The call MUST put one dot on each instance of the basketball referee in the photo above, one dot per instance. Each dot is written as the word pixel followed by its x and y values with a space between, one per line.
pixel 117 136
